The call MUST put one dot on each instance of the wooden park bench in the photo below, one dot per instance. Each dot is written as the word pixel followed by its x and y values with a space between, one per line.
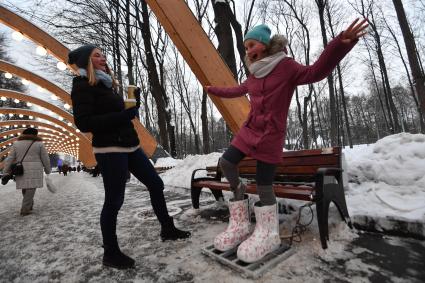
pixel 300 175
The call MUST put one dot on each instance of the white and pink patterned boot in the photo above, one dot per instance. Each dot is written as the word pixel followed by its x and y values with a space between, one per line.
pixel 265 238
pixel 237 230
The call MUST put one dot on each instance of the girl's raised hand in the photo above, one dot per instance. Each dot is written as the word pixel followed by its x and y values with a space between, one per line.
pixel 355 31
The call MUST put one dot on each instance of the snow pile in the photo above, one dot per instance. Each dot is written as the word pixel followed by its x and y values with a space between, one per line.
pixel 180 175
pixel 387 178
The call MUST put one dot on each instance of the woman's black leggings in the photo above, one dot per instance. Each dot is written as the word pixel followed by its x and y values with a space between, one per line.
pixel 264 175
pixel 114 167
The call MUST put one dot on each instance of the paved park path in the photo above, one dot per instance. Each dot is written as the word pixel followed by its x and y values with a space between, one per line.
pixel 61 242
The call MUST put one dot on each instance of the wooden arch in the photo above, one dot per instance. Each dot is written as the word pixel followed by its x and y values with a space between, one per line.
pixel 48 128
pixel 54 47
pixel 86 154
pixel 37 101
pixel 36 79
pixel 47 134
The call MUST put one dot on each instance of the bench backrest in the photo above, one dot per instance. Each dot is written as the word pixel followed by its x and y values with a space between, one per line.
pixel 300 165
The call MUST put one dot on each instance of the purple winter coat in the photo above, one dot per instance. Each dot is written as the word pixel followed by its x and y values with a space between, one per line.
pixel 263 133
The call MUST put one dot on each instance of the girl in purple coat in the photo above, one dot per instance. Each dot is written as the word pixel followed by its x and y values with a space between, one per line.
pixel 270 86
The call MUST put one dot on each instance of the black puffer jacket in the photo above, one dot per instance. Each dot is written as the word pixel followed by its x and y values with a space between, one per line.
pixel 100 110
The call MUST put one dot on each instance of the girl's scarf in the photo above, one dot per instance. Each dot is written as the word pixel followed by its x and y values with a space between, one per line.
pixel 100 76
pixel 264 66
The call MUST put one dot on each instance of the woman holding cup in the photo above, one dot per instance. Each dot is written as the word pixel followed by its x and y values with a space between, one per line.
pixel 100 110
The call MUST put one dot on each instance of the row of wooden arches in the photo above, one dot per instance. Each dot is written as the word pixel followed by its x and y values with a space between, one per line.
pixel 187 35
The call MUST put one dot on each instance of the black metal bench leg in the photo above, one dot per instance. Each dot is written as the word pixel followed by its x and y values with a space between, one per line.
pixel 335 193
pixel 195 193
pixel 322 207
pixel 341 204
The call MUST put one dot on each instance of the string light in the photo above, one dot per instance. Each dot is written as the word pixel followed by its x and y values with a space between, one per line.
pixel 61 66
pixel 40 50
pixel 16 35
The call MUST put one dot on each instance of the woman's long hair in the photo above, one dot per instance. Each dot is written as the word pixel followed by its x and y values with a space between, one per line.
pixel 91 74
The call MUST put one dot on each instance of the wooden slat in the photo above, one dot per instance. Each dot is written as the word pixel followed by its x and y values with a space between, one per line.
pixel 283 191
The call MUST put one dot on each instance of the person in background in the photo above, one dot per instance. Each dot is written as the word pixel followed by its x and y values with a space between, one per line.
pixel 271 84
pixel 99 109
pixel 35 161
pixel 65 169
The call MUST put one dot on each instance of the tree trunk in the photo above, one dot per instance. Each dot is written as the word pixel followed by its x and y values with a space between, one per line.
pixel 385 79
pixel 128 45
pixel 157 89
pixel 334 124
pixel 418 76
pixel 223 31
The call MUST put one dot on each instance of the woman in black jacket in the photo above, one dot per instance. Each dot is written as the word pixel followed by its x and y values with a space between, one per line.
pixel 99 109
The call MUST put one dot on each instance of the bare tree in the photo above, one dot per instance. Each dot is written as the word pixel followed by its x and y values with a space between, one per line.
pixel 418 75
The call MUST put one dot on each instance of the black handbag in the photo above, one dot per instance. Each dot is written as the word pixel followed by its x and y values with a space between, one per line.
pixel 18 168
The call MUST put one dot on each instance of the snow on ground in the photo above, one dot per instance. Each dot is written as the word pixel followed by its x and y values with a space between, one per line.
pixel 61 241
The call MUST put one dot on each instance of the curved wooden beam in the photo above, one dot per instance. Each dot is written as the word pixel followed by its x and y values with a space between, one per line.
pixel 85 147
pixel 7 17
pixel 36 79
pixel 35 33
pixel 22 96
pixel 201 55
pixel 35 123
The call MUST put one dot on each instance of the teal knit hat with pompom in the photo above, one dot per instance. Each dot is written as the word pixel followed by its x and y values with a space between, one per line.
pixel 260 33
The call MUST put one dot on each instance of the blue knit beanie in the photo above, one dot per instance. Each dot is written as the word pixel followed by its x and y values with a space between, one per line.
pixel 260 33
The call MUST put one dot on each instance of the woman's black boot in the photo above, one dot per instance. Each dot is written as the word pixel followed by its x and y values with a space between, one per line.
pixel 113 257
pixel 170 232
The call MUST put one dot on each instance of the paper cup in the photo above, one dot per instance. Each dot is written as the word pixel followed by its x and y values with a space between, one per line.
pixel 129 103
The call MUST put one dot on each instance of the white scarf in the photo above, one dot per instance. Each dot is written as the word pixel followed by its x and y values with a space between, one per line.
pixel 263 67
pixel 100 76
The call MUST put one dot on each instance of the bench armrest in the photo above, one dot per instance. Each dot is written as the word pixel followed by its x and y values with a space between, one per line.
pixel 217 177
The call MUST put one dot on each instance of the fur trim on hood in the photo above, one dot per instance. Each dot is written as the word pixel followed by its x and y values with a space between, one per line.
pixel 277 43
pixel 29 137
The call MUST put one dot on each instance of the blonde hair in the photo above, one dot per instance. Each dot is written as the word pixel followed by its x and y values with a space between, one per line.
pixel 91 73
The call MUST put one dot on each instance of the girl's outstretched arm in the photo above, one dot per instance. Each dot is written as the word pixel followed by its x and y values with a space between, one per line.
pixel 331 55
pixel 228 92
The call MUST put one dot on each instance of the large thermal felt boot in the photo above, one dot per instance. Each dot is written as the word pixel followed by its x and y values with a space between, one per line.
pixel 238 228
pixel 265 237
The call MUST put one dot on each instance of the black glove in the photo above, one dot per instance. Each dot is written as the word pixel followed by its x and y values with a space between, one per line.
pixel 137 96
pixel 5 179
pixel 132 112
